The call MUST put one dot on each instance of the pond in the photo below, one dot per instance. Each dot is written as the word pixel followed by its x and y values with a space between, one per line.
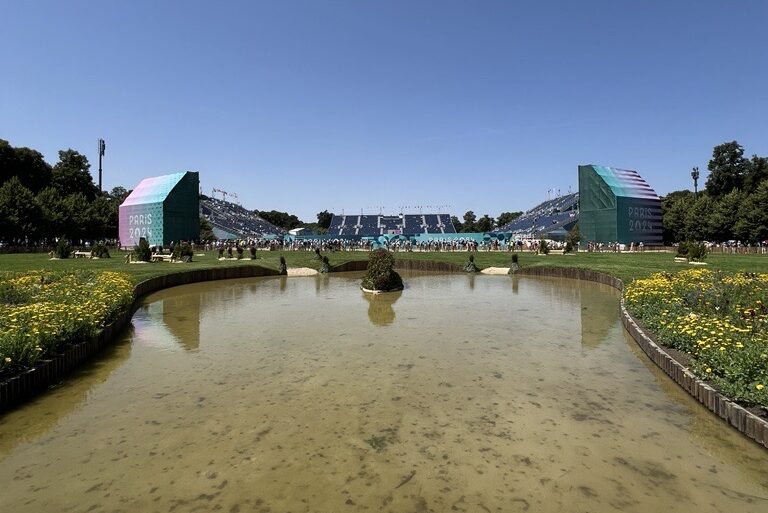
pixel 462 393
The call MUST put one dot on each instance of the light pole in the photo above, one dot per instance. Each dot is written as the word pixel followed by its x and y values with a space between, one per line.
pixel 102 147
pixel 695 176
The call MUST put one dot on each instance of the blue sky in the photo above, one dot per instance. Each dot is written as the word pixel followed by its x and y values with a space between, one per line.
pixel 306 106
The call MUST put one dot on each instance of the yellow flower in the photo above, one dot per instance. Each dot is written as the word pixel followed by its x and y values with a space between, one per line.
pixel 759 386
pixel 708 370
pixel 7 359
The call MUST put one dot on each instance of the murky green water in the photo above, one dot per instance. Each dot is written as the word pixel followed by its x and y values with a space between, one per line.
pixel 478 394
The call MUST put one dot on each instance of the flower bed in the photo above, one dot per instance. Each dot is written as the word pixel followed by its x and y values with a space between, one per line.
pixel 41 312
pixel 720 320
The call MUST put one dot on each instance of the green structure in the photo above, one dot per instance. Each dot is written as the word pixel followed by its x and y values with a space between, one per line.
pixel 162 209
pixel 617 205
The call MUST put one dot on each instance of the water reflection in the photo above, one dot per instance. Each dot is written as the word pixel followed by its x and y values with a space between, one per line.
pixel 176 319
pixel 380 311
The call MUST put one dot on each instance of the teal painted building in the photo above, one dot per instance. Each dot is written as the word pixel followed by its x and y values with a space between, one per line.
pixel 617 205
pixel 162 209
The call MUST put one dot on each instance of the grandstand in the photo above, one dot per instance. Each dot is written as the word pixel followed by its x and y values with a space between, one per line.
pixel 403 224
pixel 232 221
pixel 551 219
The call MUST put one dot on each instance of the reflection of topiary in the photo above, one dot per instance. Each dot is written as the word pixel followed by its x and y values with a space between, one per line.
pixel 381 274
pixel 143 252
pixel 326 267
pixel 283 267
pixel 63 249
pixel 470 266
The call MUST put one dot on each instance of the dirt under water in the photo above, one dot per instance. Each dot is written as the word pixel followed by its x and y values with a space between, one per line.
pixel 460 393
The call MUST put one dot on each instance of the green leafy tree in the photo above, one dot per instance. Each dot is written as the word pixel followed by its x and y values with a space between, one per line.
pixel 71 175
pixel 52 217
pixel 26 164
pixel 468 226
pixel 324 219
pixel 507 217
pixel 752 224
pixel 696 226
pixel 283 220
pixel 206 230
pixel 456 223
pixel 574 236
pixel 674 208
pixel 723 216
pixel 484 224
pixel 756 174
pixel 727 169
pixel 19 213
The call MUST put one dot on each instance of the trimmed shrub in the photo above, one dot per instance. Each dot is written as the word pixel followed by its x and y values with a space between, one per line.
pixel 63 249
pixel 543 247
pixel 253 253
pixel 143 252
pixel 326 267
pixel 470 266
pixel 221 252
pixel 100 250
pixel 381 274
pixel 239 250
pixel 283 269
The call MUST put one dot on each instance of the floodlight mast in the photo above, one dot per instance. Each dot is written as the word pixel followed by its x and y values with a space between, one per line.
pixel 102 148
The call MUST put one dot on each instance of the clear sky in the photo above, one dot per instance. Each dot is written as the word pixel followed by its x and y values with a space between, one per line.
pixel 306 106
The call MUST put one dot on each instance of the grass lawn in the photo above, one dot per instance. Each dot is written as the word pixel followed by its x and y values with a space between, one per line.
pixel 626 266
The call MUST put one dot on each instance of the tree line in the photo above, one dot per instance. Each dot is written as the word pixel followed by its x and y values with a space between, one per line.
pixel 40 203
pixel 732 206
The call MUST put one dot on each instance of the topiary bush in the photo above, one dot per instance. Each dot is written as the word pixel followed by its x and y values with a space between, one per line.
pixel 253 253
pixel 543 247
pixel 470 266
pixel 515 265
pixel 63 249
pixel 381 274
pixel 283 269
pixel 239 250
pixel 184 252
pixel 143 252
pixel 100 250
pixel 326 267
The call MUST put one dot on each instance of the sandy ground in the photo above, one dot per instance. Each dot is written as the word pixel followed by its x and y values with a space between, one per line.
pixel 495 270
pixel 301 271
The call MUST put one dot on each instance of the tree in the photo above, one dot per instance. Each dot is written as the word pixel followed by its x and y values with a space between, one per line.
pixel 574 236
pixel 727 169
pixel 71 175
pixel 281 219
pixel 485 224
pixel 468 226
pixel 19 214
pixel 456 223
pixel 752 224
pixel 674 211
pixel 696 215
pixel 119 194
pixel 723 216
pixel 26 164
pixel 324 219
pixel 756 174
pixel 206 230
pixel 507 217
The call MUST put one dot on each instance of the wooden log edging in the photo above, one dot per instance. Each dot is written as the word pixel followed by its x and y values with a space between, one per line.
pixel 18 389
pixel 743 420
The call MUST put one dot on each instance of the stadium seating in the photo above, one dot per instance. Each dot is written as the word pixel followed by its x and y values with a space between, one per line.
pixel 374 225
pixel 236 220
pixel 555 214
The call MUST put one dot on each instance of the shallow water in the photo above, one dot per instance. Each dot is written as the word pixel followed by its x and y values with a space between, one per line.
pixel 462 393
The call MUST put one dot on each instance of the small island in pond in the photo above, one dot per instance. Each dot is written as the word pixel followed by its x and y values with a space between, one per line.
pixel 381 275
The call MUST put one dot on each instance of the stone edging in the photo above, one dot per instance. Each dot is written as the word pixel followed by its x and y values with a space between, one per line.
pixel 45 373
pixel 745 421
